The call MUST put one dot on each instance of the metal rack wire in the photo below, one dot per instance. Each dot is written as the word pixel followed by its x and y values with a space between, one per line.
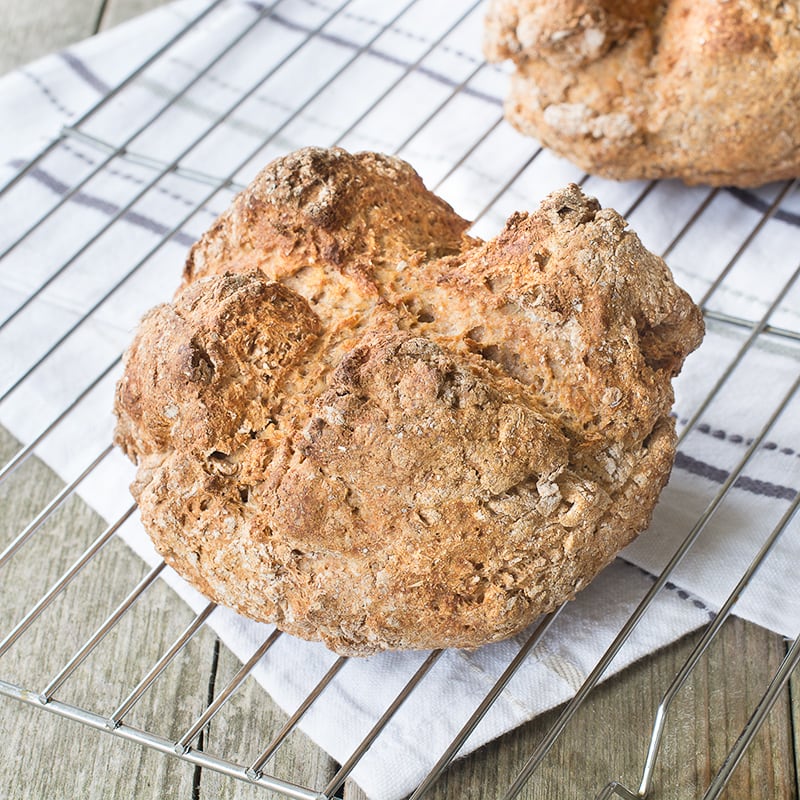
pixel 108 156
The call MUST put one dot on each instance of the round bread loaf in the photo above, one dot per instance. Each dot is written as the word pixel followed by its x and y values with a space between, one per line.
pixel 361 424
pixel 703 90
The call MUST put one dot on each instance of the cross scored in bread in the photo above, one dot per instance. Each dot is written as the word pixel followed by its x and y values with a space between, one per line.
pixel 362 424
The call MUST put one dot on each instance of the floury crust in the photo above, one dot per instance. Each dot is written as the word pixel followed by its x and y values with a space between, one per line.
pixel 702 90
pixel 363 425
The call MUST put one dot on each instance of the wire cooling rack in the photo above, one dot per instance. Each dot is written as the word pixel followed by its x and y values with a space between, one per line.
pixel 362 75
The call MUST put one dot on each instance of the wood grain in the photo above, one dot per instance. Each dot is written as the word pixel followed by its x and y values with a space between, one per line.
pixel 117 11
pixel 244 727
pixel 91 764
pixel 44 756
pixel 30 30
pixel 794 696
pixel 607 738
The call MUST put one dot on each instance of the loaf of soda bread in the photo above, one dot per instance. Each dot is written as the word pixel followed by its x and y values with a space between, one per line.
pixel 362 424
pixel 703 90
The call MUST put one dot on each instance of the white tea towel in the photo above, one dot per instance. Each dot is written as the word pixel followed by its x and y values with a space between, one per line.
pixel 394 91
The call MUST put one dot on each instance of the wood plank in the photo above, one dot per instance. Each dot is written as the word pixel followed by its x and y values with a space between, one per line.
pixel 352 791
pixel 246 724
pixel 794 694
pixel 605 741
pixel 117 11
pixel 607 738
pixel 737 677
pixel 44 755
pixel 31 30
pixel 77 760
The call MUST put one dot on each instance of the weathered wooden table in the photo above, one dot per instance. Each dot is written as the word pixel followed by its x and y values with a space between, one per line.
pixel 43 756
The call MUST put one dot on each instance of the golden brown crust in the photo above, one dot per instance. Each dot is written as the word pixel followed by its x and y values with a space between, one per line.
pixel 426 449
pixel 700 90
pixel 325 208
